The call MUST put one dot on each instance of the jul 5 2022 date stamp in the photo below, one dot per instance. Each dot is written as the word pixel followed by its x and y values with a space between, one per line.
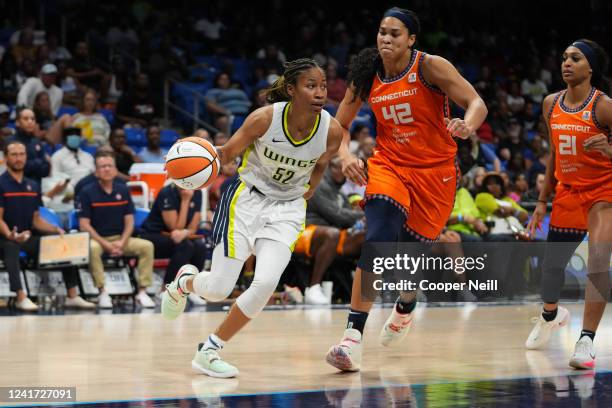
pixel 37 394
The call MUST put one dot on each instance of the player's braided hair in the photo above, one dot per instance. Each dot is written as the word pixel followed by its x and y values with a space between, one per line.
pixel 367 63
pixel 278 91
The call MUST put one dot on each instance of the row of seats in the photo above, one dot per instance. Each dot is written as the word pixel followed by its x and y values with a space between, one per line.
pixel 140 215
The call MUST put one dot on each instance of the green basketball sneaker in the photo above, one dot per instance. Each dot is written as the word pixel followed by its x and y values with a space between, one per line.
pixel 209 363
pixel 173 298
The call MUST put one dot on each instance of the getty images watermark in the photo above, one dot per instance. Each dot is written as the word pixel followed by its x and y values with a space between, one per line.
pixel 400 264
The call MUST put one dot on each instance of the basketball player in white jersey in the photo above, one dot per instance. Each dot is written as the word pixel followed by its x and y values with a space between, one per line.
pixel 286 148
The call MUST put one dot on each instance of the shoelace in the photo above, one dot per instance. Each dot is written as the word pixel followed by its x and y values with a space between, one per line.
pixel 345 343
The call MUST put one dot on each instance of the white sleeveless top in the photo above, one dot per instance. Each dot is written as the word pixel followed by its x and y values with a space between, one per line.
pixel 277 165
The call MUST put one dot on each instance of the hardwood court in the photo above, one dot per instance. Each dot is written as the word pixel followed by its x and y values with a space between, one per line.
pixel 136 356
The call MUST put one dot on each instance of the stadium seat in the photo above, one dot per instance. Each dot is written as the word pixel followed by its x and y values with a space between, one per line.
pixel 135 137
pixel 89 149
pixel 70 110
pixel 73 220
pixel 140 215
pixel 168 137
pixel 109 115
pixel 50 216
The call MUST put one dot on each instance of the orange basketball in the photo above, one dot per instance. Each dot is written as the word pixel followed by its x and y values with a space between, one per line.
pixel 192 163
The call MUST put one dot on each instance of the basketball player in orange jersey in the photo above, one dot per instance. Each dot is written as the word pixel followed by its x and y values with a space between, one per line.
pixel 286 146
pixel 579 121
pixel 412 177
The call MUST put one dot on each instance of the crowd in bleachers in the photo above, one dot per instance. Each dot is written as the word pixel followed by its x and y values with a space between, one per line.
pixel 100 90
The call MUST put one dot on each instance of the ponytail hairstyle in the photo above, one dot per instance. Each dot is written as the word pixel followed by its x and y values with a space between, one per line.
pixel 293 69
pixel 597 58
pixel 367 63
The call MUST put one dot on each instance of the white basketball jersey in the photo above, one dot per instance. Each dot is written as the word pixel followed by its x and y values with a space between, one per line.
pixel 276 164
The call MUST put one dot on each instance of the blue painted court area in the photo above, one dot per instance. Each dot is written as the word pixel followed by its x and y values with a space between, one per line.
pixel 583 389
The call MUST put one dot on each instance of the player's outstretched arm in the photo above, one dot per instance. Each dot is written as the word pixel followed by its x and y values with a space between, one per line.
pixel 254 126
pixel 352 167
pixel 334 141
pixel 441 73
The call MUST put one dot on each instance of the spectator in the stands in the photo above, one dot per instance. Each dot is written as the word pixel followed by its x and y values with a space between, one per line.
pixel 118 82
pixel 152 152
pixel 220 138
pixel 336 86
pixel 271 59
pixel 172 226
pixel 204 134
pixel 46 82
pixel 515 100
pixel 72 92
pixel 493 200
pixel 223 102
pixel 5 116
pixel 532 87
pixel 9 81
pixel 21 226
pixel 137 106
pixel 42 112
pixel 106 211
pixel 69 165
pixel 38 163
pixel 122 38
pixel 333 228
pixel 71 160
pixel 57 52
pixel 533 194
pixel 85 72
pixel 29 23
pixel 95 127
pixel 25 48
pixel 124 155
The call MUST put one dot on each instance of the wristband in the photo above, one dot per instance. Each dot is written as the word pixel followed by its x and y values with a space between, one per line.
pixel 543 201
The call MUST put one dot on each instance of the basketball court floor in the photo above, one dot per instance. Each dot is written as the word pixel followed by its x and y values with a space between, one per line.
pixel 461 355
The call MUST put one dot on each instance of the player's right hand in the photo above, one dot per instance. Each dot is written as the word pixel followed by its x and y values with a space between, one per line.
pixel 354 169
pixel 536 218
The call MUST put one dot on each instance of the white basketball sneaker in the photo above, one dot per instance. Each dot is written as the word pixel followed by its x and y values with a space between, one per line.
pixel 346 356
pixel 314 295
pixel 173 298
pixel 584 354
pixel 541 332
pixel 395 328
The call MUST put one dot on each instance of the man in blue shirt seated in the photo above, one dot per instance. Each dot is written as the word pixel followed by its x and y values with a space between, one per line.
pixel 20 199
pixel 105 210
pixel 152 152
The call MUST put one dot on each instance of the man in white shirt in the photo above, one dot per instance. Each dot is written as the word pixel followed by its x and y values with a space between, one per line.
pixel 71 160
pixel 68 166
pixel 46 82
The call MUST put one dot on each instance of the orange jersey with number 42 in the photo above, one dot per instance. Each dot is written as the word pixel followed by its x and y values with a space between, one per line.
pixel 569 129
pixel 410 119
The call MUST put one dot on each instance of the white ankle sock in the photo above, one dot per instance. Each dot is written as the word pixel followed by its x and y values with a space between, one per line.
pixel 213 342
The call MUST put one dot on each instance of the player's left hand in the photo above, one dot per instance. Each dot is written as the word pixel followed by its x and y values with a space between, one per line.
pixel 458 127
pixel 308 195
pixel 599 143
